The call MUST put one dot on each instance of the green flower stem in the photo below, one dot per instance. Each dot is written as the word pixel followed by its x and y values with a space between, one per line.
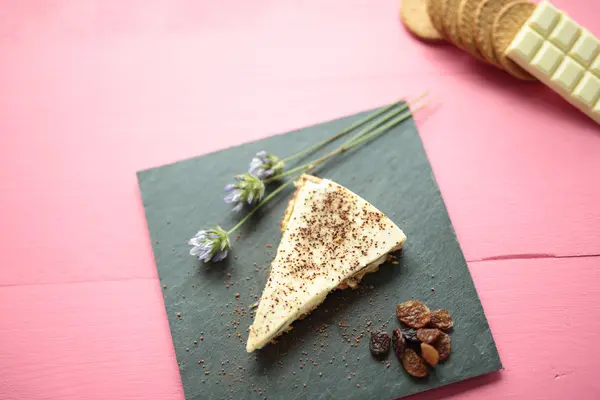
pixel 363 131
pixel 387 118
pixel 352 127
pixel 259 205
pixel 356 139
pixel 380 130
pixel 363 139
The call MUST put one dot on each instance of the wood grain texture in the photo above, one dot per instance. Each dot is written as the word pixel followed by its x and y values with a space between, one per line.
pixel 95 340
pixel 111 340
pixel 544 314
pixel 93 91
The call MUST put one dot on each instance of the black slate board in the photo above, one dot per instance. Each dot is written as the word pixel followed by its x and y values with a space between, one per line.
pixel 322 351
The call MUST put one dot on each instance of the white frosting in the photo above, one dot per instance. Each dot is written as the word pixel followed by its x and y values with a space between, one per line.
pixel 332 236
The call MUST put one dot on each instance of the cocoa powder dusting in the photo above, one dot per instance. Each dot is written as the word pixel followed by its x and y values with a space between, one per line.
pixel 332 229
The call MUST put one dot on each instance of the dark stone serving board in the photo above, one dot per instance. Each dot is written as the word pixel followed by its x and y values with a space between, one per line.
pixel 208 323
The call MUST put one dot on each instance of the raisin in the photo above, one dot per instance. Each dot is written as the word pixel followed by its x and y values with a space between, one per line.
pixel 428 335
pixel 441 319
pixel 442 345
pixel 430 354
pixel 380 343
pixel 398 343
pixel 410 335
pixel 413 313
pixel 413 364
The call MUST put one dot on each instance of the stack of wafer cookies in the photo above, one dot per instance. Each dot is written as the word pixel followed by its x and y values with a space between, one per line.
pixel 483 28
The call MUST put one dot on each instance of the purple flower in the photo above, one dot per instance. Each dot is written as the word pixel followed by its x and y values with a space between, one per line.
pixel 265 165
pixel 248 189
pixel 210 244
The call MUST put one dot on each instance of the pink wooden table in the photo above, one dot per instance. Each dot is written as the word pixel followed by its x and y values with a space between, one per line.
pixel 92 91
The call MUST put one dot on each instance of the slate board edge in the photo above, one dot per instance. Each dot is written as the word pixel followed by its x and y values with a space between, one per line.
pixel 150 169
pixel 491 369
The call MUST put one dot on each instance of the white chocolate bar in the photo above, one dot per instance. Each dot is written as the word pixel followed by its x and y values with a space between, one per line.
pixel 562 54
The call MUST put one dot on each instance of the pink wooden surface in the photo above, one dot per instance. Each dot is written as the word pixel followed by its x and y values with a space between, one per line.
pixel 92 91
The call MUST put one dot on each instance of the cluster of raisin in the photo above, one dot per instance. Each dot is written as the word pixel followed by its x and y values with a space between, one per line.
pixel 420 342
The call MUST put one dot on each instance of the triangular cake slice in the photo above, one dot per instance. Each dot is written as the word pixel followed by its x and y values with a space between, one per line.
pixel 331 238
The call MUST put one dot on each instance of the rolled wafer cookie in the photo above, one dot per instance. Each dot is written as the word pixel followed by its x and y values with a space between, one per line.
pixel 466 21
pixel 507 24
pixel 485 14
pixel 415 18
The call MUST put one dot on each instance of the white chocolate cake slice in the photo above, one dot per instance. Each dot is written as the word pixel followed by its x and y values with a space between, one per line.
pixel 331 238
